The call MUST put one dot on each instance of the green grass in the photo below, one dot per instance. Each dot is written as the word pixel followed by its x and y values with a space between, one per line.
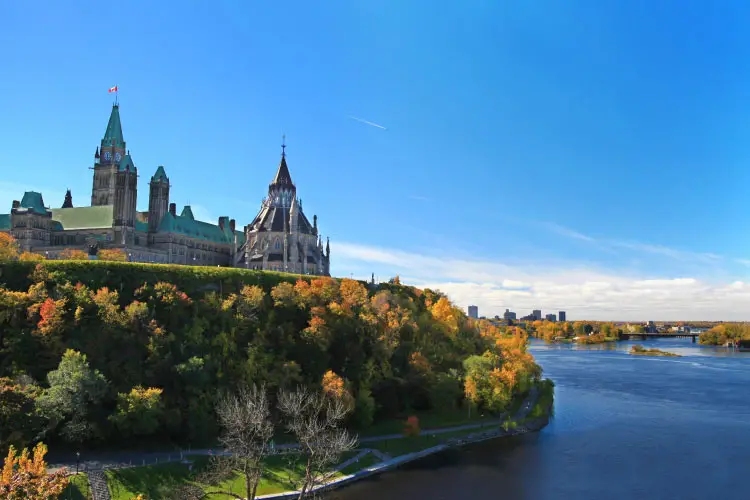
pixel 428 420
pixel 545 403
pixel 156 481
pixel 402 446
pixel 78 488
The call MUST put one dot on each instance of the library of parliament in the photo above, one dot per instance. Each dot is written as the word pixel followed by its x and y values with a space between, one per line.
pixel 279 238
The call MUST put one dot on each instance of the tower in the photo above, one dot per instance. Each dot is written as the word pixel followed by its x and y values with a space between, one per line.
pixel 106 160
pixel 125 198
pixel 158 199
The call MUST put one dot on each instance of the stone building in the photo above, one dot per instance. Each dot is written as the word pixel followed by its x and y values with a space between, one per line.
pixel 280 237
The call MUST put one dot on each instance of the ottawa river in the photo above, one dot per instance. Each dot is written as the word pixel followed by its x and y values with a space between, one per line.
pixel 625 427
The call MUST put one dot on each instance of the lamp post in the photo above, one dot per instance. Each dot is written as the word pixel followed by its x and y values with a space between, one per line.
pixel 130 257
pixel 78 457
pixel 46 255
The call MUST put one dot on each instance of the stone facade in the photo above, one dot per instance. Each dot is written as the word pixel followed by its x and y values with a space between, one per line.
pixel 279 238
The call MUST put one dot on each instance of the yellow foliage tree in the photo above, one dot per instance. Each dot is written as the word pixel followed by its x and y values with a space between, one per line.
pixel 335 387
pixel 444 312
pixel 112 254
pixel 353 293
pixel 30 257
pixel 8 247
pixel 25 477
pixel 73 254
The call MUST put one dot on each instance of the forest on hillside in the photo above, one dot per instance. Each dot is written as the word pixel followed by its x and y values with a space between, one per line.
pixel 109 353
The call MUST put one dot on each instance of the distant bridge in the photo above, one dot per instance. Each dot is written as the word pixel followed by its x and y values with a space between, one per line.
pixel 662 335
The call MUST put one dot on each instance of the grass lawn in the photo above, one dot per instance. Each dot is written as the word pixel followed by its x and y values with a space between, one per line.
pixel 365 461
pixel 398 447
pixel 429 420
pixel 78 488
pixel 155 481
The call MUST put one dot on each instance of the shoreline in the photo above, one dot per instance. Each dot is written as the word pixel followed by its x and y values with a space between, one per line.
pixel 528 426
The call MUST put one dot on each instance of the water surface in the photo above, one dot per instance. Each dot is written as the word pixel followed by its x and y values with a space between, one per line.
pixel 625 427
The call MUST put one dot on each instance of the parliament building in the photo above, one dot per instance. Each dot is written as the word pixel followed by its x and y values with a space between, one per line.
pixel 279 238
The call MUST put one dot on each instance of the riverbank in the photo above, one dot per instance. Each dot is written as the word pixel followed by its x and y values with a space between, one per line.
pixel 376 455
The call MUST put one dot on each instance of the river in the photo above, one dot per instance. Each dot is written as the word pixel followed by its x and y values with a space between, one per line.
pixel 625 427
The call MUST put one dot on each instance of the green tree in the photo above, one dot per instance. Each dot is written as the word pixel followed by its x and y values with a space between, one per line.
pixel 139 412
pixel 18 421
pixel 74 389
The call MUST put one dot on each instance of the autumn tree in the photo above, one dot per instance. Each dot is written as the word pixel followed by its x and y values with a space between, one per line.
pixel 30 257
pixel 18 420
pixel 8 247
pixel 316 421
pixel 73 254
pixel 24 476
pixel 112 254
pixel 138 412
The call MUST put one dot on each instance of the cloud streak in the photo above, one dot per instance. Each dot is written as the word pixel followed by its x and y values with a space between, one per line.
pixel 581 289
pixel 366 122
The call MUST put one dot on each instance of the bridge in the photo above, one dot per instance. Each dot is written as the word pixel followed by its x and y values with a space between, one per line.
pixel 660 335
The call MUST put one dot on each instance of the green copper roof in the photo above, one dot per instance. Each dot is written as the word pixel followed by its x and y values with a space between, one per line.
pixel 160 174
pixel 126 162
pixel 141 226
pixel 113 135
pixel 33 202
pixel 188 213
pixel 4 222
pixel 188 226
pixel 98 217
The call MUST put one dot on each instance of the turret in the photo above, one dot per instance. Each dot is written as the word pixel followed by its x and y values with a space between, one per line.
pixel 158 199
pixel 108 157
pixel 328 247
pixel 315 224
pixel 68 203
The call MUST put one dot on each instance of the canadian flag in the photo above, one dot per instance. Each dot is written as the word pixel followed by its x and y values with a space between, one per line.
pixel 112 89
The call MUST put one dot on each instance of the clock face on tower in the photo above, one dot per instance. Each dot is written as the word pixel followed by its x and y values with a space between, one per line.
pixel 118 157
pixel 107 156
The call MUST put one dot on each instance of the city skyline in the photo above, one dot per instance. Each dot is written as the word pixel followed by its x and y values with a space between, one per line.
pixel 503 154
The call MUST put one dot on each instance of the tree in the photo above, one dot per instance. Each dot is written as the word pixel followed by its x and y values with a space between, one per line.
pixel 73 254
pixel 245 420
pixel 18 422
pixel 30 257
pixel 315 419
pixel 8 247
pixel 139 412
pixel 73 388
pixel 112 254
pixel 25 477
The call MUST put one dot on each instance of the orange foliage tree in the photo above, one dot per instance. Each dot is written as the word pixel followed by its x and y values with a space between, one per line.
pixel 25 477
pixel 30 257
pixel 73 254
pixel 412 426
pixel 112 254
pixel 8 247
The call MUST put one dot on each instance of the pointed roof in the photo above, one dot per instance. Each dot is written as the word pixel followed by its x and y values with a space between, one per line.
pixel 68 203
pixel 160 175
pixel 113 135
pixel 282 178
pixel 187 212
pixel 126 162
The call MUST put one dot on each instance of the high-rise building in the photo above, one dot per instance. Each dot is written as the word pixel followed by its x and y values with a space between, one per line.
pixel 537 313
pixel 551 317
pixel 562 316
pixel 509 315
pixel 473 312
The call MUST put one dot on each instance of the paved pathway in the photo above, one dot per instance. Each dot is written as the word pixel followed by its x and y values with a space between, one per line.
pixel 118 460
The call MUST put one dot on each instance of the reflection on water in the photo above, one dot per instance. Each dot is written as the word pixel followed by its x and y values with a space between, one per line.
pixel 625 427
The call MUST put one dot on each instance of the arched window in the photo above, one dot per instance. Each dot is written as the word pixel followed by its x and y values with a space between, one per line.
pixel 277 244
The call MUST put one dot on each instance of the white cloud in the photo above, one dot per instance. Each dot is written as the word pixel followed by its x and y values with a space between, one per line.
pixel 581 290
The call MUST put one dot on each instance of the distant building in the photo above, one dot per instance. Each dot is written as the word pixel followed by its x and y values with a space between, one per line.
pixel 509 315
pixel 473 312
pixel 551 317
pixel 537 314
pixel 650 327
pixel 562 316
pixel 529 317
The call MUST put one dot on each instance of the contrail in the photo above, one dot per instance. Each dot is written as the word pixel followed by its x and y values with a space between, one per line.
pixel 366 122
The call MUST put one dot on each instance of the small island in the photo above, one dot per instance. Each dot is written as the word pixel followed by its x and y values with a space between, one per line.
pixel 639 350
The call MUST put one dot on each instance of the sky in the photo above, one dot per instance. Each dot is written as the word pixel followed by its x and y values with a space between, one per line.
pixel 588 156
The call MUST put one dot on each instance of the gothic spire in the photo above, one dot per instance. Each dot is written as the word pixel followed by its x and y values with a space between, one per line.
pixel 68 203
pixel 282 179
pixel 113 134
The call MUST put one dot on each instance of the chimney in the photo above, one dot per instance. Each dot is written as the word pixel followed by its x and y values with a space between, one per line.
pixel 173 209
pixel 231 225
pixel 16 203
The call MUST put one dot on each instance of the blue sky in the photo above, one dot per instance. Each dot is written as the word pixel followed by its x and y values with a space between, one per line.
pixel 580 155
